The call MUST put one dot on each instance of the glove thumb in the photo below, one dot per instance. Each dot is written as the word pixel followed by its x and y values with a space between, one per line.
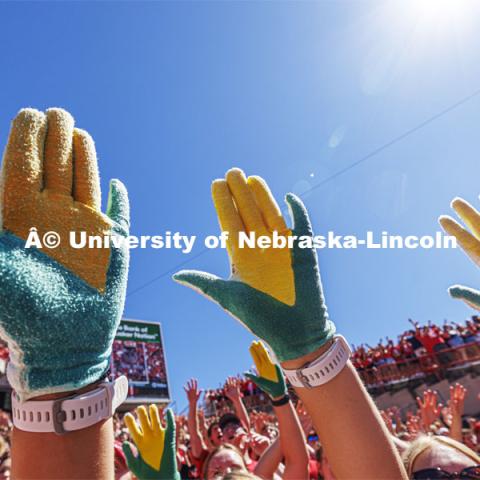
pixel 132 460
pixel 469 295
pixel 118 208
pixel 209 285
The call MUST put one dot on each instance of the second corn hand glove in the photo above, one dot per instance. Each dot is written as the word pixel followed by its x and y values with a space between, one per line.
pixel 470 242
pixel 59 307
pixel 270 377
pixel 276 293
pixel 156 445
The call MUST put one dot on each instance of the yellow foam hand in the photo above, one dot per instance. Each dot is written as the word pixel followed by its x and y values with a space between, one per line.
pixel 265 367
pixel 269 376
pixel 470 243
pixel 247 205
pixel 150 437
pixel 51 182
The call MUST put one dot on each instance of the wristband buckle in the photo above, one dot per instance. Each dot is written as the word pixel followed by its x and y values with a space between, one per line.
pixel 59 416
pixel 304 380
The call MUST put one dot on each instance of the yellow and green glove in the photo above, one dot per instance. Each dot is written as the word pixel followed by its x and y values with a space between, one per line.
pixel 59 307
pixel 470 243
pixel 156 457
pixel 270 376
pixel 275 292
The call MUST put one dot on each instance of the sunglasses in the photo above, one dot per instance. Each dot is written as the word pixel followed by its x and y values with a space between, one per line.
pixel 470 473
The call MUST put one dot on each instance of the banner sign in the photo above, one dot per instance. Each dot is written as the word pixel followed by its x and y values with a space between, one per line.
pixel 139 355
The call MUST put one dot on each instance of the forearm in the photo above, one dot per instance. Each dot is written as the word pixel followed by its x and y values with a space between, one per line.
pixel 241 412
pixel 269 461
pixel 292 442
pixel 349 425
pixel 456 430
pixel 193 428
pixel 86 453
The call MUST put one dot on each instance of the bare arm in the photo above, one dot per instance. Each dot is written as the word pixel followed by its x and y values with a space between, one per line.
pixel 349 425
pixel 292 442
pixel 268 463
pixel 86 453
pixel 196 440
pixel 232 391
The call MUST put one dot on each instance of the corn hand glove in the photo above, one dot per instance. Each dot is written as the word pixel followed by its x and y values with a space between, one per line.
pixel 156 457
pixel 470 243
pixel 59 307
pixel 275 292
pixel 270 377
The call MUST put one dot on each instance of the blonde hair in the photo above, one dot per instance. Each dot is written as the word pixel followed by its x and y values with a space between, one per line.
pixel 424 442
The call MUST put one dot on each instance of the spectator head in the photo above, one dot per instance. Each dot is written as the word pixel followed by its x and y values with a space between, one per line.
pixel 223 460
pixel 215 434
pixel 240 476
pixel 230 426
pixel 437 453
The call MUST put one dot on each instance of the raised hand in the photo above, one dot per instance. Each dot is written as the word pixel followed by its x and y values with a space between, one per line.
pixel 232 389
pixel 429 407
pixel 456 405
pixel 275 292
pixel 457 399
pixel 388 420
pixel 156 457
pixel 270 377
pixel 469 241
pixel 66 297
pixel 192 391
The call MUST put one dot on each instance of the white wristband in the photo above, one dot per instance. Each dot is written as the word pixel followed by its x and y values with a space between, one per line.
pixel 71 413
pixel 324 368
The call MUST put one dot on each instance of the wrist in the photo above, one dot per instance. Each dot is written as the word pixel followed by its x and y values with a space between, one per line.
pixel 301 361
pixel 56 396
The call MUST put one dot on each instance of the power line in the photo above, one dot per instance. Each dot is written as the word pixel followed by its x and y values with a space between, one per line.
pixel 335 175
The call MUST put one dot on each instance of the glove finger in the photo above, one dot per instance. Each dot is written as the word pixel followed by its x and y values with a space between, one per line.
pixel 23 156
pixel 155 418
pixel 469 295
pixel 202 282
pixel 299 215
pixel 132 460
pixel 468 214
pixel 228 215
pixel 255 355
pixel 86 181
pixel 144 419
pixel 58 159
pixel 132 426
pixel 118 208
pixel 267 204
pixel 245 202
pixel 170 428
pixel 467 241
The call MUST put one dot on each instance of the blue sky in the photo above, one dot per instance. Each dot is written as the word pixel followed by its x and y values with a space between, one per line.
pixel 175 93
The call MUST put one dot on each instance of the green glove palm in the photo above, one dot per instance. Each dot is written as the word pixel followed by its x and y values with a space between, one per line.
pixel 291 330
pixel 156 459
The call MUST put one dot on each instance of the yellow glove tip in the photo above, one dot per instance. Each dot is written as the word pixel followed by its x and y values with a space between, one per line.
pixel 235 174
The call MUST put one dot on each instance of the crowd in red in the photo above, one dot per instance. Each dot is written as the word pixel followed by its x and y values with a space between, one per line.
pixel 419 351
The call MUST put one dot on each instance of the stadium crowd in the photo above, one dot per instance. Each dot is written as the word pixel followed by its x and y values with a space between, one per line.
pixel 237 420
pixel 421 350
